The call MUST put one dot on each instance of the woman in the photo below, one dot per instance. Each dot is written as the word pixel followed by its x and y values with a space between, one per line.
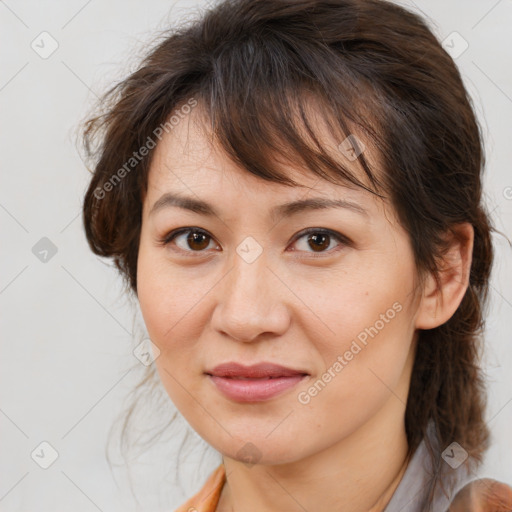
pixel 293 191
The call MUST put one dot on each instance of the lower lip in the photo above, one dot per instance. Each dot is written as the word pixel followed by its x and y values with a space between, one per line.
pixel 254 390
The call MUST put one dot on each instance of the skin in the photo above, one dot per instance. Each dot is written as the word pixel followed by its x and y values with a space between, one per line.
pixel 346 448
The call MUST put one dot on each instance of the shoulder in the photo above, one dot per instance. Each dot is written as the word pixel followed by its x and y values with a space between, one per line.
pixel 207 498
pixel 483 495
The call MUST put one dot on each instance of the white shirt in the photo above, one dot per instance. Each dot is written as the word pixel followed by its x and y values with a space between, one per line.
pixel 412 492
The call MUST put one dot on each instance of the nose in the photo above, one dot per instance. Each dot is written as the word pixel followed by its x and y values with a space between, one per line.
pixel 251 302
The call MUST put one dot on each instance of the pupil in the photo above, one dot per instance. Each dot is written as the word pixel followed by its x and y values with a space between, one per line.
pixel 316 239
pixel 193 239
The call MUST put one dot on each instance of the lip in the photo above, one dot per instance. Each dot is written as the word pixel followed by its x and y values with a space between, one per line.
pixel 254 383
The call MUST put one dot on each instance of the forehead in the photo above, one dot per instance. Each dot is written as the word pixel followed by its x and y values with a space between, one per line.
pixel 189 158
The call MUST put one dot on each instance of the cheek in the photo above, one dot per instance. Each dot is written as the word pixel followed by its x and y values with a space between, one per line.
pixel 369 316
pixel 364 304
pixel 170 303
pixel 154 300
pixel 166 297
pixel 165 316
pixel 358 379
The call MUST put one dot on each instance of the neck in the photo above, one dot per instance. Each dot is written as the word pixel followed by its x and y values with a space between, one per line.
pixel 358 474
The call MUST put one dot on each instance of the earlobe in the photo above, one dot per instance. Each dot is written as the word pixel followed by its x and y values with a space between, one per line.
pixel 439 301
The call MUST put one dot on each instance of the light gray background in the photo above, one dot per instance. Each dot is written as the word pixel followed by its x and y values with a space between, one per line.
pixel 66 326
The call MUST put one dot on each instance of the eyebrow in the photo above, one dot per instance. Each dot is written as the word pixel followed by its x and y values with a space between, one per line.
pixel 200 207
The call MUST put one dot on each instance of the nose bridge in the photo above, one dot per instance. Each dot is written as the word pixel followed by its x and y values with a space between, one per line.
pixel 249 301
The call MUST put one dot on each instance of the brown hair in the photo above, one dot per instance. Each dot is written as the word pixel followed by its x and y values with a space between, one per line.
pixel 377 70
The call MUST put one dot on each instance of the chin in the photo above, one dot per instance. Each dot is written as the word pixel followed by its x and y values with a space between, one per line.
pixel 260 450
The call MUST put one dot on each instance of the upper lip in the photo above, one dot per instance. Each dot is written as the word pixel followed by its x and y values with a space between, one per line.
pixel 255 371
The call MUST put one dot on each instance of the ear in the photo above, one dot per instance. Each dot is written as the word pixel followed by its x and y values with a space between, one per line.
pixel 439 303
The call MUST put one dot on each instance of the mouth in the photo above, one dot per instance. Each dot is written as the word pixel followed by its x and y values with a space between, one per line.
pixel 254 383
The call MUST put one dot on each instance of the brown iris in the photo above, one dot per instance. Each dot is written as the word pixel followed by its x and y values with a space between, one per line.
pixel 319 238
pixel 198 238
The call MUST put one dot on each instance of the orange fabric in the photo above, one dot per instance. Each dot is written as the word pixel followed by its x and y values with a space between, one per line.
pixel 483 495
pixel 207 498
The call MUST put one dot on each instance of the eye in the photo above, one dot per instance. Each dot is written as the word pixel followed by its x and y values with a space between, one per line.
pixel 196 240
pixel 320 240
pixel 188 239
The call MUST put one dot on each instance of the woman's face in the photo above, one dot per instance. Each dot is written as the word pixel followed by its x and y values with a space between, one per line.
pixel 246 284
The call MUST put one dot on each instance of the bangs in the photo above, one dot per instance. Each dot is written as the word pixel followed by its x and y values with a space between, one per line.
pixel 266 112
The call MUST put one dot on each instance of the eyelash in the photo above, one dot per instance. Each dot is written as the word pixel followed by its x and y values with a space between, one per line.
pixel 343 240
